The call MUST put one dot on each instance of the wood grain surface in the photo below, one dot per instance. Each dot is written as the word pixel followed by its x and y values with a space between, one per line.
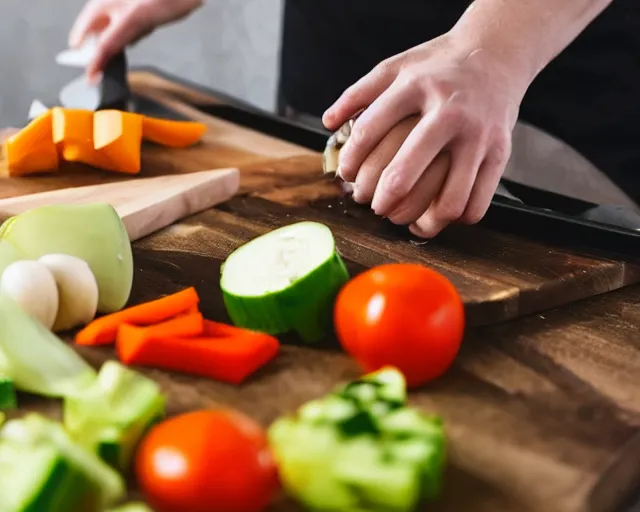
pixel 145 205
pixel 542 409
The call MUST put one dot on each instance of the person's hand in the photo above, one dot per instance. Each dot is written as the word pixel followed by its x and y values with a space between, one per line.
pixel 123 22
pixel 464 105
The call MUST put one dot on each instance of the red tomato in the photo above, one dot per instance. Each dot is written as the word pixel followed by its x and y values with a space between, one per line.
pixel 402 315
pixel 207 461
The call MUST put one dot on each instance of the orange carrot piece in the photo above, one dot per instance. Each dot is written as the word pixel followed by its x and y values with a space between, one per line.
pixel 32 149
pixel 117 137
pixel 174 134
pixel 226 359
pixel 104 330
pixel 182 326
pixel 73 134
pixel 213 329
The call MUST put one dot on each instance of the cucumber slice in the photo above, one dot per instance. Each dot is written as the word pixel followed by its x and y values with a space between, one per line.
pixel 285 281
pixel 8 399
pixel 111 416
pixel 36 359
pixel 48 472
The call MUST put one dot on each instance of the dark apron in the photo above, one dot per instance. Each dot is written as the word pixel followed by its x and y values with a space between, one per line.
pixel 588 97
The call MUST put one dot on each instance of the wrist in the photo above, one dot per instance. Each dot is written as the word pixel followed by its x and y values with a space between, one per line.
pixel 498 48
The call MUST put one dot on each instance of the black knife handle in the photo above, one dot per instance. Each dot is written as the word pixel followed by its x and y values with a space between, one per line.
pixel 114 87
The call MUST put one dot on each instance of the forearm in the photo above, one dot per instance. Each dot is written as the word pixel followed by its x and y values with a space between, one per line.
pixel 525 34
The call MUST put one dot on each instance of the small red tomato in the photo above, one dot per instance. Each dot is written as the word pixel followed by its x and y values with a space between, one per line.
pixel 207 461
pixel 402 315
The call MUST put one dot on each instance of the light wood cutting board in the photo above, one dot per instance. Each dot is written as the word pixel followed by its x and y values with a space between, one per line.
pixel 145 205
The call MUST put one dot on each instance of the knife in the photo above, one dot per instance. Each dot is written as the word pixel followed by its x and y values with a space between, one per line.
pixel 114 91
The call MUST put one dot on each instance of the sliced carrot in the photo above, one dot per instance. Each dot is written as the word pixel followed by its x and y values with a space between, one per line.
pixel 181 326
pixel 32 149
pixel 174 134
pixel 213 329
pixel 73 134
pixel 117 136
pixel 104 330
pixel 226 359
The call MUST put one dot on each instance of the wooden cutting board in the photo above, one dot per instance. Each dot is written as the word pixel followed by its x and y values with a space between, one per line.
pixel 145 205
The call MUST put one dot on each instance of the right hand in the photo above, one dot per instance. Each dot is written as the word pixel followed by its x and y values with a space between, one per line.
pixel 122 22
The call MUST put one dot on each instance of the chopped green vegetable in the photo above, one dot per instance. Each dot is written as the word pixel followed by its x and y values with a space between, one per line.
pixel 36 359
pixel 8 398
pixel 285 281
pixel 112 415
pixel 361 448
pixel 44 471
pixel 92 232
pixel 132 507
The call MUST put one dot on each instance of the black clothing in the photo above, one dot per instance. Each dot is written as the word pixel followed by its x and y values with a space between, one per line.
pixel 589 96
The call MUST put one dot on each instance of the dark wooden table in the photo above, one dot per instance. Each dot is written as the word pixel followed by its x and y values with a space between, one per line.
pixel 542 407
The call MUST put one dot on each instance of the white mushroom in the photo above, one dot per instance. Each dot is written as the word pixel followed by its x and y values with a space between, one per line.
pixel 77 289
pixel 32 286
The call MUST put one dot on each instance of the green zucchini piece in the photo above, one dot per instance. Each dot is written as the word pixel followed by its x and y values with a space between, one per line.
pixel 8 399
pixel 92 232
pixel 361 448
pixel 111 416
pixel 35 359
pixel 285 281
pixel 44 471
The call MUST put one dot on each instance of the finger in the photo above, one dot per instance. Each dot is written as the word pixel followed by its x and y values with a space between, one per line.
pixel 370 171
pixel 360 95
pixel 452 201
pixel 422 145
pixel 92 18
pixel 393 105
pixel 423 193
pixel 485 186
pixel 122 30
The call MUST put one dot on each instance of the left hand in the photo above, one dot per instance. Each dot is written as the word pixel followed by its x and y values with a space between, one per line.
pixel 464 104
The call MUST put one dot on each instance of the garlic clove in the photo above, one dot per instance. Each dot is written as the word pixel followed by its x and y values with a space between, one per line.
pixel 32 286
pixel 77 288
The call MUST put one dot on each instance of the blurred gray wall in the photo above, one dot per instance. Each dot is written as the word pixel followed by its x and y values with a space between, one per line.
pixel 231 45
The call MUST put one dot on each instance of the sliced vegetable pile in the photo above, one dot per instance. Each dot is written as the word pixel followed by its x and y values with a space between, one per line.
pixel 107 139
pixel 361 448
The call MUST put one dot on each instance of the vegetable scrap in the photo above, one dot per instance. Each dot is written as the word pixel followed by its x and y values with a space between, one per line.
pixel 361 448
pixel 110 140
